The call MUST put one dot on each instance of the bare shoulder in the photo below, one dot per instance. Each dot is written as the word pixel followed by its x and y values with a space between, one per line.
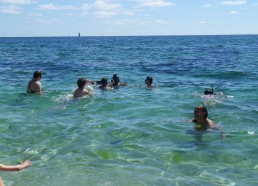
pixel 212 124
pixel 37 83
pixel 75 92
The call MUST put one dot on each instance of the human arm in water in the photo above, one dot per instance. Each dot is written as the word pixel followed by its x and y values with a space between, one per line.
pixel 222 134
pixel 122 84
pixel 209 124
pixel 217 127
pixel 87 92
pixel 19 167
pixel 90 81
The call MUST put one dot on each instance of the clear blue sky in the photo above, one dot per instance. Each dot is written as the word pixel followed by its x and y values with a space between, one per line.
pixel 127 17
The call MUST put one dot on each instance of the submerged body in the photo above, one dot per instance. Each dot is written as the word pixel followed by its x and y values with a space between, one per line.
pixel 202 122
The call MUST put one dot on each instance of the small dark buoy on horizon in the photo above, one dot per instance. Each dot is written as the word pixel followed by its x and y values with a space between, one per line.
pixel 79 34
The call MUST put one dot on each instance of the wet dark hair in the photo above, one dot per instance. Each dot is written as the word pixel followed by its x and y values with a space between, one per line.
pixel 149 78
pixel 116 80
pixel 37 74
pixel 204 109
pixel 208 91
pixel 115 76
pixel 103 81
pixel 81 82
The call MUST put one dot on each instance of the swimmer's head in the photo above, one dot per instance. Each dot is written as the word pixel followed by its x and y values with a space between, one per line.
pixel 208 91
pixel 37 74
pixel 200 112
pixel 148 81
pixel 81 82
pixel 115 79
pixel 103 81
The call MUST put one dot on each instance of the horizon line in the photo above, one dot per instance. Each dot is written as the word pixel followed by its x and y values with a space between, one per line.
pixel 129 35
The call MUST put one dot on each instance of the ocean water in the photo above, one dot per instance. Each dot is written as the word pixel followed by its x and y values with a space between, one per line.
pixel 131 135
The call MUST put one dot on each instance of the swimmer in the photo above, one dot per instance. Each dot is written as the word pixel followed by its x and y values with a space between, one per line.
pixel 104 84
pixel 202 122
pixel 80 91
pixel 34 85
pixel 115 82
pixel 148 82
pixel 209 91
pixel 19 167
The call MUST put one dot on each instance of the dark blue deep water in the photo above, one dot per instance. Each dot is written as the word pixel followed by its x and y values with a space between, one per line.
pixel 131 135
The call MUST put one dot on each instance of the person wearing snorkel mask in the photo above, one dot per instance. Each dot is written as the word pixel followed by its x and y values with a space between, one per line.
pixel 209 91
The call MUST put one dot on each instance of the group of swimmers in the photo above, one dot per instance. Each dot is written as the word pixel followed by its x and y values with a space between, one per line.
pixel 201 120
pixel 200 112
pixel 34 85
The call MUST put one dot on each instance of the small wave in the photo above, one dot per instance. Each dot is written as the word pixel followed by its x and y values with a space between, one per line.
pixel 250 132
pixel 63 98
pixel 212 99
pixel 222 75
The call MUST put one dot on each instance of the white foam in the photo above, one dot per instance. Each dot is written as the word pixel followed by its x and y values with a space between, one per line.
pixel 250 132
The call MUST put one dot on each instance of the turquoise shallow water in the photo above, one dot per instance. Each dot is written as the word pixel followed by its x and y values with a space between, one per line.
pixel 131 135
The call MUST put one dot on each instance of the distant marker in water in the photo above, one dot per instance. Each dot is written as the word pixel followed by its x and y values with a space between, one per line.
pixel 79 34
